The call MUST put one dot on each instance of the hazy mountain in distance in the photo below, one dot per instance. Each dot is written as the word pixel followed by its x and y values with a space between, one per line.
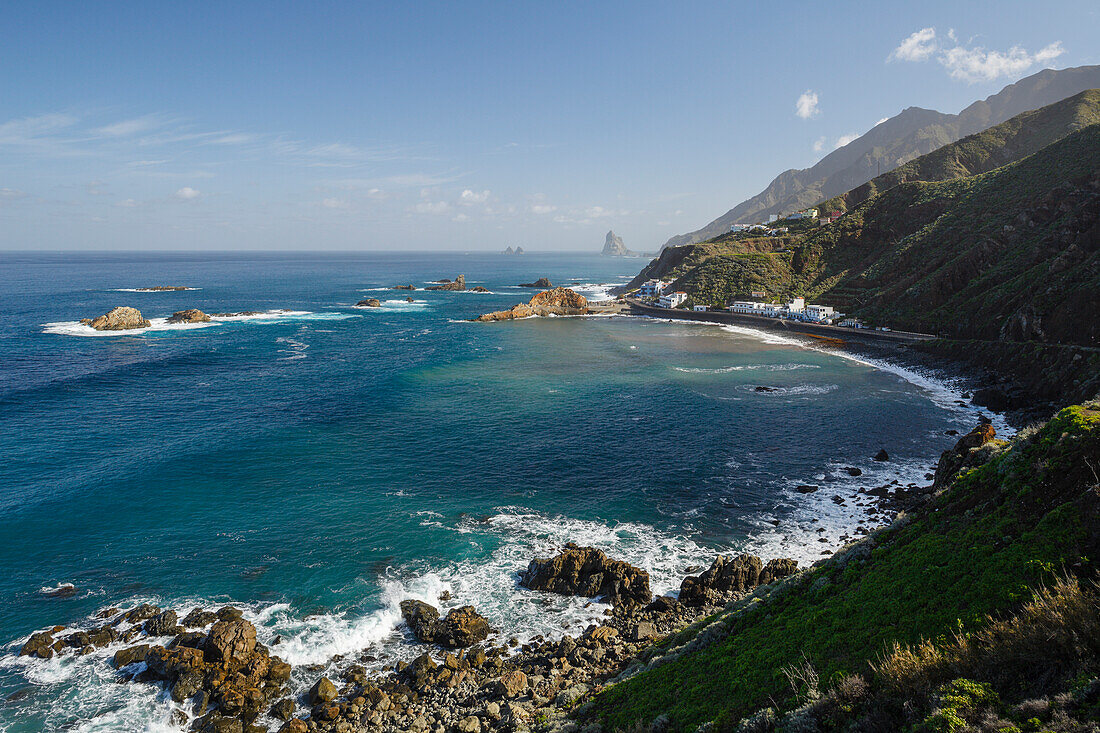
pixel 902 138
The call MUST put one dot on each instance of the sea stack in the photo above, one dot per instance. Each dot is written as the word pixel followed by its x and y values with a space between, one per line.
pixel 613 246
pixel 458 284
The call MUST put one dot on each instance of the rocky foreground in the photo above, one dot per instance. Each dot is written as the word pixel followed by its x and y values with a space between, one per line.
pixel 557 302
pixel 468 679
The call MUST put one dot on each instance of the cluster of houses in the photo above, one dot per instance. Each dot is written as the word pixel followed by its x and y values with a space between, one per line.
pixel 796 309
pixel 796 216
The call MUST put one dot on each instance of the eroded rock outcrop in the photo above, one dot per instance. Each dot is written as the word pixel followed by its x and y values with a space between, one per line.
pixel 558 302
pixel 969 452
pixel 369 303
pixel 458 284
pixel 460 628
pixel 613 246
pixel 191 315
pixel 587 571
pixel 727 577
pixel 542 282
pixel 122 318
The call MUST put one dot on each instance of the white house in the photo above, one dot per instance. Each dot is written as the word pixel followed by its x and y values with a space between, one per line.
pixel 819 312
pixel 652 288
pixel 740 227
pixel 796 305
pixel 672 300
pixel 773 218
pixel 699 307
pixel 751 307
pixel 852 323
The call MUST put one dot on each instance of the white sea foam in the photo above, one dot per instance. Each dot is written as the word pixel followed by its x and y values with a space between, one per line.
pixel 747 367
pixel 295 349
pixel 160 325
pixel 395 306
pixel 148 290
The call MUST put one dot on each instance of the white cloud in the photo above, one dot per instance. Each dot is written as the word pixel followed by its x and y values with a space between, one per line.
pixel 128 203
pixel 430 207
pixel 11 193
pixel 977 64
pixel 543 209
pixel 845 139
pixel 126 128
pixel 187 193
pixel 334 203
pixel 972 64
pixel 469 197
pixel 806 106
pixel 460 217
pixel 917 47
pixel 819 144
pixel 28 129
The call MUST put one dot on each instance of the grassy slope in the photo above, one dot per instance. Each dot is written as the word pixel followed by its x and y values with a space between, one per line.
pixel 998 532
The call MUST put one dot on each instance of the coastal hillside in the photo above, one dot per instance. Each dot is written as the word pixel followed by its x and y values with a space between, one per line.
pixel 976 611
pixel 908 135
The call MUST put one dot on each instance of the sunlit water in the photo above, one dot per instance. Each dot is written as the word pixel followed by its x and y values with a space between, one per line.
pixel 319 462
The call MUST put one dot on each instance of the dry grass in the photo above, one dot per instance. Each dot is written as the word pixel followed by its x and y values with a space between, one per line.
pixel 1054 637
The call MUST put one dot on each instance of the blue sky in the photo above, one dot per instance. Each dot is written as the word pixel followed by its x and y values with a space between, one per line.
pixel 462 126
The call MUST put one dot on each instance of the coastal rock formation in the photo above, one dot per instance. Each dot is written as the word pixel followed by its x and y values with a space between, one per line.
pixel 458 284
pixel 542 282
pixel 369 303
pixel 587 571
pixel 967 453
pixel 238 314
pixel 460 628
pixel 510 251
pixel 191 315
pixel 480 289
pixel 727 577
pixel 403 287
pixel 122 318
pixel 613 246
pixel 559 302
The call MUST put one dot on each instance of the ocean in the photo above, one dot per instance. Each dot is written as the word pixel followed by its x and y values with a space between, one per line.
pixel 317 463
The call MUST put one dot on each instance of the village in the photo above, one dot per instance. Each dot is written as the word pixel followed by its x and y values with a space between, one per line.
pixel 795 309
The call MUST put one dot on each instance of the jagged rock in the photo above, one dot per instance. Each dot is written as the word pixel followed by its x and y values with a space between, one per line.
pixel 511 684
pixel 231 640
pixel 322 691
pixel 882 455
pixel 163 624
pixel 778 568
pixel 853 471
pixel 644 631
pixel 587 571
pixel 542 282
pixel 122 318
pixel 806 488
pixel 967 453
pixel 469 724
pixel 403 287
pixel 198 618
pixel 725 577
pixel 460 628
pixel 294 725
pixel 40 644
pixel 458 284
pixel 480 289
pixel 559 301
pixel 409 300
pixel 663 604
pixel 191 315
pixel 369 303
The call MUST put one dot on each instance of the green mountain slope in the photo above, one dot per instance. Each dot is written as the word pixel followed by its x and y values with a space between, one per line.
pixel 898 140
pixel 841 643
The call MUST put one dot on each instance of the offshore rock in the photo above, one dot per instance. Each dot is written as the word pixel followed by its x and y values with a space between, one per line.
pixel 191 315
pixel 230 641
pixel 587 571
pixel 458 284
pixel 558 302
pixel 460 628
pixel 613 246
pixel 542 282
pixel 369 303
pixel 122 318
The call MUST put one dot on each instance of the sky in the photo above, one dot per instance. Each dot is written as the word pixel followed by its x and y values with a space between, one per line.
pixel 462 126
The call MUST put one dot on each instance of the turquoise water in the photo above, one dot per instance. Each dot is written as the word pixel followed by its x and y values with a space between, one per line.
pixel 321 462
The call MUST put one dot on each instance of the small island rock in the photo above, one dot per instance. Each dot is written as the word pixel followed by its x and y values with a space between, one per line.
pixel 369 303
pixel 587 571
pixel 191 315
pixel 122 318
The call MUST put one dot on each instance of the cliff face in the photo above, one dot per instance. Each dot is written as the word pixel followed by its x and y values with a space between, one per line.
pixel 908 135
pixel 613 246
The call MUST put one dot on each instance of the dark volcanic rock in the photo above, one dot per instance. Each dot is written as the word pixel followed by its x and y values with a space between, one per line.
pixel 586 571
pixel 882 455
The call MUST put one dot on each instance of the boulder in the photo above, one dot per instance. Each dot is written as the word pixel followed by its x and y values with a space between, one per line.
pixel 191 315
pixel 420 618
pixel 778 568
pixel 511 684
pixel 587 571
pixel 644 631
pixel 122 318
pixel 542 282
pixel 231 640
pixel 323 691
pixel 130 655
pixel 458 284
pixel 39 645
pixel 460 628
pixel 403 287
pixel 882 455
pixel 480 289
pixel 725 578
pixel 163 624
pixel 369 303
pixel 198 618
pixel 967 453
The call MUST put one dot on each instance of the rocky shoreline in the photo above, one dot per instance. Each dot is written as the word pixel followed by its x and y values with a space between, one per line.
pixel 468 678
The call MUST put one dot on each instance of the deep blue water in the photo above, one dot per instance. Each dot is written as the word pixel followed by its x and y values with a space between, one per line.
pixel 318 466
